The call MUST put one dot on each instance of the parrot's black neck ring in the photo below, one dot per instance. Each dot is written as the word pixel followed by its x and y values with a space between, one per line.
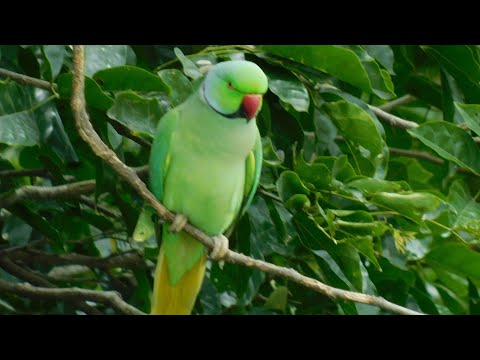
pixel 240 113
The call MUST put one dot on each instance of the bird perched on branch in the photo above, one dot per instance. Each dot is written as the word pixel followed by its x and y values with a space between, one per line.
pixel 205 166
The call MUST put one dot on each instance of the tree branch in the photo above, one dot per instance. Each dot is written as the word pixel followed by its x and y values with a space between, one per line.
pixel 397 102
pixel 25 172
pixel 92 204
pixel 27 80
pixel 123 130
pixel 128 260
pixel 12 268
pixel 89 135
pixel 110 298
pixel 393 120
pixel 44 192
pixel 417 154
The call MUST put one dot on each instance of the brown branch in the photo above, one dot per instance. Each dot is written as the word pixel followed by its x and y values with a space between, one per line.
pixel 392 119
pixel 89 135
pixel 142 171
pixel 27 80
pixel 126 260
pixel 12 268
pixel 398 122
pixel 25 172
pixel 125 131
pixel 110 298
pixel 92 204
pixel 397 102
pixel 417 154
pixel 72 190
pixel 44 192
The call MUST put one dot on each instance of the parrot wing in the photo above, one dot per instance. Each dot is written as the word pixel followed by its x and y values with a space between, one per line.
pixel 253 170
pixel 159 162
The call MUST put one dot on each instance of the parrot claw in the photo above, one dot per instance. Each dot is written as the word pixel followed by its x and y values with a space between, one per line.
pixel 220 247
pixel 179 223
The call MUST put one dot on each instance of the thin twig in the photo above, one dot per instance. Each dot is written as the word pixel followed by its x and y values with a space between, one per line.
pixel 110 298
pixel 100 208
pixel 417 154
pixel 25 172
pixel 12 268
pixel 393 120
pixel 89 135
pixel 126 260
pixel 269 194
pixel 44 192
pixel 125 131
pixel 72 190
pixel 27 80
pixel 397 102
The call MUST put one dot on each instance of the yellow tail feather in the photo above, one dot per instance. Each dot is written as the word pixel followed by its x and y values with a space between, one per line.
pixel 178 299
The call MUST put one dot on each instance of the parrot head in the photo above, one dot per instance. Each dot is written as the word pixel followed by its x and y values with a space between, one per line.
pixel 235 88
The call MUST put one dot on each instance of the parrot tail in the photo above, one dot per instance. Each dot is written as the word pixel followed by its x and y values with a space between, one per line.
pixel 178 299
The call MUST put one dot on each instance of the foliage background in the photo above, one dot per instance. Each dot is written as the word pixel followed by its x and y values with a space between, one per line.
pixel 346 197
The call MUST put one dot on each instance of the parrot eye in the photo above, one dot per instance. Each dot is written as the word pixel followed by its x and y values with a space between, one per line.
pixel 230 86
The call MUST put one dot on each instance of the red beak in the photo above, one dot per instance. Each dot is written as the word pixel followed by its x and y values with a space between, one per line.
pixel 250 105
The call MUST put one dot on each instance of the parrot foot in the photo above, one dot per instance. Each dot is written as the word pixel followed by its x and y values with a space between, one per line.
pixel 220 248
pixel 179 223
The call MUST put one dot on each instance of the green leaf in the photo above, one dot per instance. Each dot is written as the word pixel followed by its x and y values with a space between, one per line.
pixel 297 202
pixel 145 227
pixel 350 64
pixel 459 60
pixel 414 206
pixel 129 78
pixel 37 222
pixel 451 93
pixel 17 123
pixel 264 235
pixel 189 68
pixel 271 157
pixel 137 113
pixel 456 283
pixel 342 259
pixel 316 174
pixel 359 130
pixel 180 86
pixel 471 115
pixel 53 135
pixel 289 89
pixel 99 57
pixel 452 301
pixel 277 299
pixel 370 185
pixel 141 295
pixel 474 299
pixel 19 129
pixel 94 95
pixel 364 244
pixel 54 56
pixel 289 184
pixel 383 54
pixel 450 142
pixel 466 214
pixel 456 258
pixel 16 231
pixel 392 283
pixel 342 169
pixel 424 89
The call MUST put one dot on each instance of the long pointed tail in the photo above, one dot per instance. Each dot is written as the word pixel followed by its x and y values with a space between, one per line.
pixel 178 299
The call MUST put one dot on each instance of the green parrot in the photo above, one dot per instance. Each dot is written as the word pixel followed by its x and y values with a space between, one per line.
pixel 205 166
